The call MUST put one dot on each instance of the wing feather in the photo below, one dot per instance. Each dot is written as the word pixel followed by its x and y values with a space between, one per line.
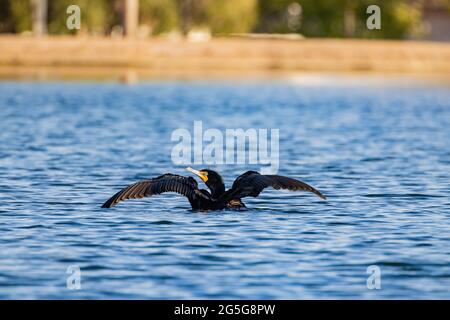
pixel 251 184
pixel 185 186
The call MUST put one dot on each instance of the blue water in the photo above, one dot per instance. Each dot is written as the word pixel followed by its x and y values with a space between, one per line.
pixel 380 153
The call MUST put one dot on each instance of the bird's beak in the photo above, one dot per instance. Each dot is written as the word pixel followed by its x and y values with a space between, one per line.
pixel 202 174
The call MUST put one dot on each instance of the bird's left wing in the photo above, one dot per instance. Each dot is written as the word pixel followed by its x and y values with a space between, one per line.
pixel 168 182
pixel 252 183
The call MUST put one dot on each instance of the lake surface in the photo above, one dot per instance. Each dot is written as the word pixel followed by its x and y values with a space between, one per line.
pixel 380 153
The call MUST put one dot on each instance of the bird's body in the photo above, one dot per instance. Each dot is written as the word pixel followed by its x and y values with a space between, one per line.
pixel 249 184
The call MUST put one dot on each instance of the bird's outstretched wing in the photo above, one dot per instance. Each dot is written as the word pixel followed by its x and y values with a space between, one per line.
pixel 251 184
pixel 186 186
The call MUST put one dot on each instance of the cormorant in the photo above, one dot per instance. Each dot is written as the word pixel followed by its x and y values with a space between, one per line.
pixel 249 184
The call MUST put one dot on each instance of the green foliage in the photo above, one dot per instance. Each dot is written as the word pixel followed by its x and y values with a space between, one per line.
pixel 227 16
pixel 14 16
pixel 160 15
pixel 399 19
pixel 95 16
pixel 317 18
pixel 328 18
pixel 220 16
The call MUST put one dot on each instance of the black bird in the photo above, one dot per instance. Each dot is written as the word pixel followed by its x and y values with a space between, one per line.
pixel 249 184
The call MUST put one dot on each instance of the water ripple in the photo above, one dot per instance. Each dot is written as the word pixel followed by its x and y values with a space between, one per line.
pixel 381 155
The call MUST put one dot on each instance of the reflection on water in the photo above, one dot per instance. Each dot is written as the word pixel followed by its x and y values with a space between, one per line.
pixel 380 154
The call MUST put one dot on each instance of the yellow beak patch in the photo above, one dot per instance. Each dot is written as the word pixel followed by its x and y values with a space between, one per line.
pixel 201 174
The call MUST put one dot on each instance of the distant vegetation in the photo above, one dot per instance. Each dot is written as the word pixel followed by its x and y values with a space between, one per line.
pixel 312 18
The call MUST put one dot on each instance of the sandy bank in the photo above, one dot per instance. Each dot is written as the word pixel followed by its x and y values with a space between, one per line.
pixel 89 57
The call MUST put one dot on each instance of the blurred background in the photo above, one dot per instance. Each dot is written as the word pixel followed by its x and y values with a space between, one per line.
pixel 402 19
pixel 204 36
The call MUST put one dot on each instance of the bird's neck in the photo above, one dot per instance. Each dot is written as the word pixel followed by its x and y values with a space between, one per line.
pixel 217 190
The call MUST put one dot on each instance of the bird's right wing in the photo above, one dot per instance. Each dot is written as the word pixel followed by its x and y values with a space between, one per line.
pixel 186 186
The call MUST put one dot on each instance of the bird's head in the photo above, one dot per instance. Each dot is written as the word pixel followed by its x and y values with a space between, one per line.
pixel 211 178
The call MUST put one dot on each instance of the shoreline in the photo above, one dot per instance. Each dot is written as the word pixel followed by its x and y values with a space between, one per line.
pixel 65 57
